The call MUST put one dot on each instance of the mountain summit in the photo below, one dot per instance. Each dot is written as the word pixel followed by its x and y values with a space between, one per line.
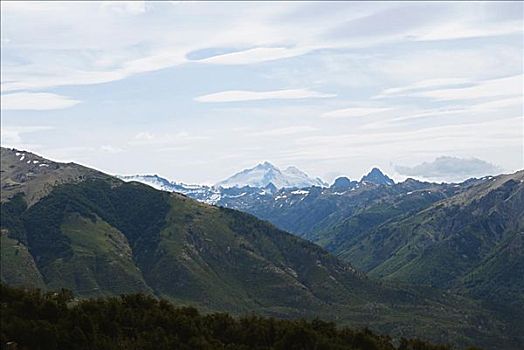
pixel 377 177
pixel 265 173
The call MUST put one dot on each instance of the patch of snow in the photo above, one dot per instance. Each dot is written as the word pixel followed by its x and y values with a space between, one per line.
pixel 46 165
pixel 238 195
pixel 213 199
pixel 300 192
pixel 190 187
pixel 151 180
pixel 35 162
pixel 22 157
pixel 17 154
pixel 410 192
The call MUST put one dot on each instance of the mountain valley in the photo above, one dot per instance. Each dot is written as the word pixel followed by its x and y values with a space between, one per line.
pixel 67 226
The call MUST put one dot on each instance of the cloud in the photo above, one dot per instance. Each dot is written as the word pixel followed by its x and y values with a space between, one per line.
pixel 471 63
pixel 12 135
pixel 110 149
pixel 255 55
pixel 51 75
pixel 144 136
pixel 462 30
pixel 507 86
pixel 147 36
pixel 486 140
pixel 450 168
pixel 354 49
pixel 354 112
pixel 422 85
pixel 242 95
pixel 36 101
pixel 169 139
pixel 292 130
pixel 124 7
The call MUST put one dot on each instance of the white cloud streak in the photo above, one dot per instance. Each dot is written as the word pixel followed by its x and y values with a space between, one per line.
pixel 292 130
pixel 462 30
pixel 354 112
pixel 423 85
pixel 255 55
pixel 242 95
pixel 507 86
pixel 38 101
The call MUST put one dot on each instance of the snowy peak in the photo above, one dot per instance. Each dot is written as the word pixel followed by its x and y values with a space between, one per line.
pixel 294 171
pixel 266 173
pixel 201 193
pixel 154 181
pixel 266 165
pixel 377 177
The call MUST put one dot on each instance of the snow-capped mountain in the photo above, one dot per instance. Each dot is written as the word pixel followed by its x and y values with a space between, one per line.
pixel 246 190
pixel 154 181
pixel 266 173
pixel 206 194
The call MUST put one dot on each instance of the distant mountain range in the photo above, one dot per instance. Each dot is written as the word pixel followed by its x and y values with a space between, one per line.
pixel 261 180
pixel 449 236
pixel 68 226
pixel 264 175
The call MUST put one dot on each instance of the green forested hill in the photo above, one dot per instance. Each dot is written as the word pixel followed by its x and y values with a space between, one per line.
pixel 465 237
pixel 471 241
pixel 99 236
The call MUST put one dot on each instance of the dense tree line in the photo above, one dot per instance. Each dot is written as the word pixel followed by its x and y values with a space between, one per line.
pixel 31 319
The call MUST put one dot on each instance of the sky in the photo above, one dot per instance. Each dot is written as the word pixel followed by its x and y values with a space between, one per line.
pixel 196 91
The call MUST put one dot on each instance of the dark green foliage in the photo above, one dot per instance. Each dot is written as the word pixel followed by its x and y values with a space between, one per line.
pixel 101 237
pixel 139 213
pixel 42 223
pixel 11 217
pixel 34 320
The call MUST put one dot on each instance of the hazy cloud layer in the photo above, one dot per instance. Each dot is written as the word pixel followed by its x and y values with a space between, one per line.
pixel 450 169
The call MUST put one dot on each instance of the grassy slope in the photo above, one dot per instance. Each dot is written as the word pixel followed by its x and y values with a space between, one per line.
pixel 221 259
pixel 101 263
pixel 17 266
pixel 452 238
